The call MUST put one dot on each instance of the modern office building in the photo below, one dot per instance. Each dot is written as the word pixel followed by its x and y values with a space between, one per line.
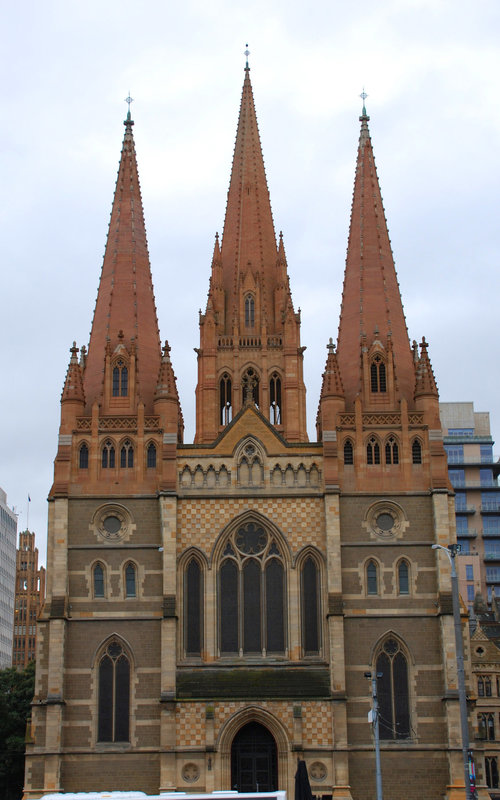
pixel 473 470
pixel 213 607
pixel 8 537
pixel 30 594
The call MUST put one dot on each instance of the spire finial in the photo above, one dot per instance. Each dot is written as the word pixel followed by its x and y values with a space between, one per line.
pixel 246 54
pixel 330 346
pixel 129 100
pixel 363 96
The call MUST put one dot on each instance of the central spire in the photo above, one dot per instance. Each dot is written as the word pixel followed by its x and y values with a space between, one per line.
pixel 249 333
pixel 249 240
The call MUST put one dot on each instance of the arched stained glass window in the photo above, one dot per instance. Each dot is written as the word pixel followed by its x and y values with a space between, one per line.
pixel 393 692
pixel 416 452
pixel 252 598
pixel 120 379
pixel 127 455
pixel 130 580
pixel 114 695
pixel 98 576
pixel 403 578
pixel 310 607
pixel 378 375
pixel 108 455
pixel 348 453
pixel 151 456
pixel 193 605
pixel 83 459
pixel 391 451
pixel 372 451
pixel 371 578
pixel 249 311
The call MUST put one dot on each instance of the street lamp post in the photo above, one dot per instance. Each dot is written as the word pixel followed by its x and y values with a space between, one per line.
pixel 375 719
pixel 451 551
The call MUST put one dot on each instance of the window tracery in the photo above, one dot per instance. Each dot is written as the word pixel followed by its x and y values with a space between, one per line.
pixel 108 455
pixel 120 379
pixel 127 454
pixel 393 690
pixel 114 694
pixel 225 399
pixel 252 593
pixel 378 380
pixel 275 399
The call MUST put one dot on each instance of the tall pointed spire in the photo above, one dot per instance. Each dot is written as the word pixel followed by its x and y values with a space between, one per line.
pixel 125 312
pixel 249 332
pixel 248 240
pixel 371 302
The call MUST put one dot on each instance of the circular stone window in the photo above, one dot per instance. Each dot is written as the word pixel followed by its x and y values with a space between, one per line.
pixel 385 520
pixel 112 522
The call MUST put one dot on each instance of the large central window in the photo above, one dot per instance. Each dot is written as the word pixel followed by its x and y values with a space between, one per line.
pixel 252 593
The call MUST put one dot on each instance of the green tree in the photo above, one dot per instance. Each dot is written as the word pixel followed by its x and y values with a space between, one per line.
pixel 16 694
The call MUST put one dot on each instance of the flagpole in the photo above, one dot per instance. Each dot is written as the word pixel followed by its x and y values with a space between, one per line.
pixel 28 514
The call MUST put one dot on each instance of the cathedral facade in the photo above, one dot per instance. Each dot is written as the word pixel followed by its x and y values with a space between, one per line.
pixel 213 607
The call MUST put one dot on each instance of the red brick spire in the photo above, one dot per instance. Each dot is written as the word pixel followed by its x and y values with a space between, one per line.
pixel 248 240
pixel 125 312
pixel 371 302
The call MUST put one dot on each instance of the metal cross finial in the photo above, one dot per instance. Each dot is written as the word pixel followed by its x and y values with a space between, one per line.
pixel 246 53
pixel 129 100
pixel 363 96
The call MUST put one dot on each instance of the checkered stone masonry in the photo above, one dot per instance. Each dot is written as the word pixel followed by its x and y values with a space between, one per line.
pixel 190 724
pixel 301 520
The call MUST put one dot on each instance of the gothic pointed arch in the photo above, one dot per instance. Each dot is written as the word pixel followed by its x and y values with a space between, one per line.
pixel 236 722
pixel 252 589
pixel 309 565
pixel 113 665
pixel 250 459
pixel 250 386
pixel 391 659
pixel 151 455
pixel 120 374
pixel 373 450
pixel 391 450
pixel 192 569
pixel 83 456
pixel 416 451
pixel 348 453
pixel 225 398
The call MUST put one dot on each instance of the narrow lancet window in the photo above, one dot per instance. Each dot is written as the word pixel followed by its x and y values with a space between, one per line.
pixel 151 456
pixel 108 455
pixel 225 399
pixel 348 453
pixel 416 452
pixel 84 457
pixel 378 375
pixel 275 399
pixel 114 695
pixel 249 311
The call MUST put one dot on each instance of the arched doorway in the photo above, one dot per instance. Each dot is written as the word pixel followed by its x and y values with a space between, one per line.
pixel 254 760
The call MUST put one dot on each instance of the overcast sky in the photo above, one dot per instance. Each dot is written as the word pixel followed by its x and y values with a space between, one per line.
pixel 430 68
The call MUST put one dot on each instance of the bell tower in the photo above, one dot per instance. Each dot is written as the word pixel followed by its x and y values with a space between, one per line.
pixel 250 332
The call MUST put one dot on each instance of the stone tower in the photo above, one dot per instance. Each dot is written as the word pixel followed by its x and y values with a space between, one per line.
pixel 212 607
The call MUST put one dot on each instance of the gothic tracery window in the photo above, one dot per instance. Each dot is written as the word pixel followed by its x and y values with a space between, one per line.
pixel 127 455
pixel 391 451
pixel 275 399
pixel 249 311
pixel 372 451
pixel 114 695
pixel 225 399
pixel 120 379
pixel 252 593
pixel 108 455
pixel 378 381
pixel 393 691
